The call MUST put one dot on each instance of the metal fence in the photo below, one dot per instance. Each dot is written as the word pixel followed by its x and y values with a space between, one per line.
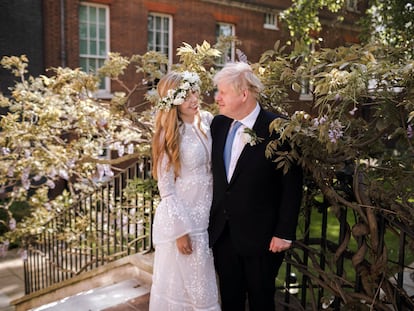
pixel 314 262
pixel 105 226
pixel 114 226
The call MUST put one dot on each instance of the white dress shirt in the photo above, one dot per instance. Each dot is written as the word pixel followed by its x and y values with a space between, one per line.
pixel 238 143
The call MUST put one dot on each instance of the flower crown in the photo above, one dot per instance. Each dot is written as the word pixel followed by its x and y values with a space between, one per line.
pixel 190 82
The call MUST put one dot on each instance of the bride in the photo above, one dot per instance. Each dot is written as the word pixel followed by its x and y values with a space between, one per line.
pixel 184 277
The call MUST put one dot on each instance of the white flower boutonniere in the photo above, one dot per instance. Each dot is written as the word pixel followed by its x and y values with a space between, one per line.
pixel 250 137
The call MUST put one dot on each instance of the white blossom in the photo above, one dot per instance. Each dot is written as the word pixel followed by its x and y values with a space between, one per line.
pixel 190 82
pixel 64 174
pixel 130 149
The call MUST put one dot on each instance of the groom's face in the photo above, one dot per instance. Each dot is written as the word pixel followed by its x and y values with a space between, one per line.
pixel 229 100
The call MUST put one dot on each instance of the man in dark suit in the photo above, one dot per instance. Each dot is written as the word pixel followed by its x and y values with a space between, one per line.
pixel 255 206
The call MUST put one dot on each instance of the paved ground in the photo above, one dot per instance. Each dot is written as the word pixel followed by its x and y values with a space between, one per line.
pixel 128 295
pixel 11 279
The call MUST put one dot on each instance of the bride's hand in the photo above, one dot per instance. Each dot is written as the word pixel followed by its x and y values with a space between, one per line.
pixel 184 245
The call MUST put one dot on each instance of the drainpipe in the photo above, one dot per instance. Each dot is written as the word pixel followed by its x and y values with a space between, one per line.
pixel 62 34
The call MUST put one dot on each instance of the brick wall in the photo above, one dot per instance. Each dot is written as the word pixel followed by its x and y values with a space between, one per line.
pixel 193 22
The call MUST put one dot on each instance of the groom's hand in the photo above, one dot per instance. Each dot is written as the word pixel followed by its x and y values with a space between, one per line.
pixel 279 245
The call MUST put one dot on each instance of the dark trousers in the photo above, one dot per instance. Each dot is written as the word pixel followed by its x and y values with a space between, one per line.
pixel 241 277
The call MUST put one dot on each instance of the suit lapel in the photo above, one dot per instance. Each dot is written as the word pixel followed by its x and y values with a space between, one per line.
pixel 262 130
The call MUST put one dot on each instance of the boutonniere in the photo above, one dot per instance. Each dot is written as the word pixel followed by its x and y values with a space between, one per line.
pixel 250 137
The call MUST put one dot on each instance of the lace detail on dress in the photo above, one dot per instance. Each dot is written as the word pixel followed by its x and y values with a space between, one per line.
pixel 185 282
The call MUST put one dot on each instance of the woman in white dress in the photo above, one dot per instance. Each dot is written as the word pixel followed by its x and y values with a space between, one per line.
pixel 184 277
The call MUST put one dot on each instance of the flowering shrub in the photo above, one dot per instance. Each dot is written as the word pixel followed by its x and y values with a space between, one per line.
pixel 58 141
pixel 359 123
pixel 355 143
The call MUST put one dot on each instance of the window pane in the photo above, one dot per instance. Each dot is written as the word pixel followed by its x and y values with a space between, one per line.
pixel 157 41
pixel 83 46
pixel 150 41
pixel 93 40
pixel 82 31
pixel 102 48
pixel 157 23
pixel 83 64
pixel 225 30
pixel 92 47
pixel 82 14
pixel 102 18
pixel 102 31
pixel 92 31
pixel 92 15
pixel 158 33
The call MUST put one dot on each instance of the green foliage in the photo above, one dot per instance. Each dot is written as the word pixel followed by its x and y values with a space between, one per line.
pixel 56 137
pixel 391 22
pixel 55 132
pixel 302 17
pixel 356 144
pixel 388 22
pixel 355 141
pixel 362 105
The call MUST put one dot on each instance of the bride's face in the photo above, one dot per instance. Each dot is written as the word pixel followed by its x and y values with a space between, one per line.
pixel 189 108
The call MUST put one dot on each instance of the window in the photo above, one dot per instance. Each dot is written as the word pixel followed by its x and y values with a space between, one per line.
pixel 226 30
pixel 270 21
pixel 306 83
pixel 306 90
pixel 160 34
pixel 352 5
pixel 94 40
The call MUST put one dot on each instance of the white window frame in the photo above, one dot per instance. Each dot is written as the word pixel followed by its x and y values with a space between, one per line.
pixel 168 45
pixel 306 85
pixel 231 55
pixel 270 21
pixel 352 5
pixel 105 89
pixel 306 90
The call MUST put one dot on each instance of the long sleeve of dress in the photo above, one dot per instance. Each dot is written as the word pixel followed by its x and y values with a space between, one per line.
pixel 172 220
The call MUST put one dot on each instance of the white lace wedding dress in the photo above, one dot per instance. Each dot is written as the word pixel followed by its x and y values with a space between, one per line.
pixel 185 282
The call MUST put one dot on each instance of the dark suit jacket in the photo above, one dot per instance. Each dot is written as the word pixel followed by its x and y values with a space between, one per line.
pixel 260 201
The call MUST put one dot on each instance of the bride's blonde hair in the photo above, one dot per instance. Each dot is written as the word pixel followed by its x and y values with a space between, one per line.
pixel 166 139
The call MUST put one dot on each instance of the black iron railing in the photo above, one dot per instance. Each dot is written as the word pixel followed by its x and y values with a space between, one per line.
pixel 317 251
pixel 106 226
pixel 115 226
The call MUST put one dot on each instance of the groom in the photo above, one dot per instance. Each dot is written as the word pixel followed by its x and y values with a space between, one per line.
pixel 255 206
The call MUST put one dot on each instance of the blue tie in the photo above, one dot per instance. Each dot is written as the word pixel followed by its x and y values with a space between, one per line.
pixel 229 144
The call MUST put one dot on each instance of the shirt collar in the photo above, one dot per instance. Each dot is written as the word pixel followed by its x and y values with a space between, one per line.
pixel 250 119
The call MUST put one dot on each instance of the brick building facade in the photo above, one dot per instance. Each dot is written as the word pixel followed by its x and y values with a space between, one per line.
pixel 79 33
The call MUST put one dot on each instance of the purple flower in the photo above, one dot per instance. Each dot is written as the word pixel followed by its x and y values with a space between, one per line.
pixel 352 112
pixel 335 132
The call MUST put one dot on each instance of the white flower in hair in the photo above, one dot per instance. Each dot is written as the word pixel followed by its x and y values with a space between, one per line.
pixel 190 82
